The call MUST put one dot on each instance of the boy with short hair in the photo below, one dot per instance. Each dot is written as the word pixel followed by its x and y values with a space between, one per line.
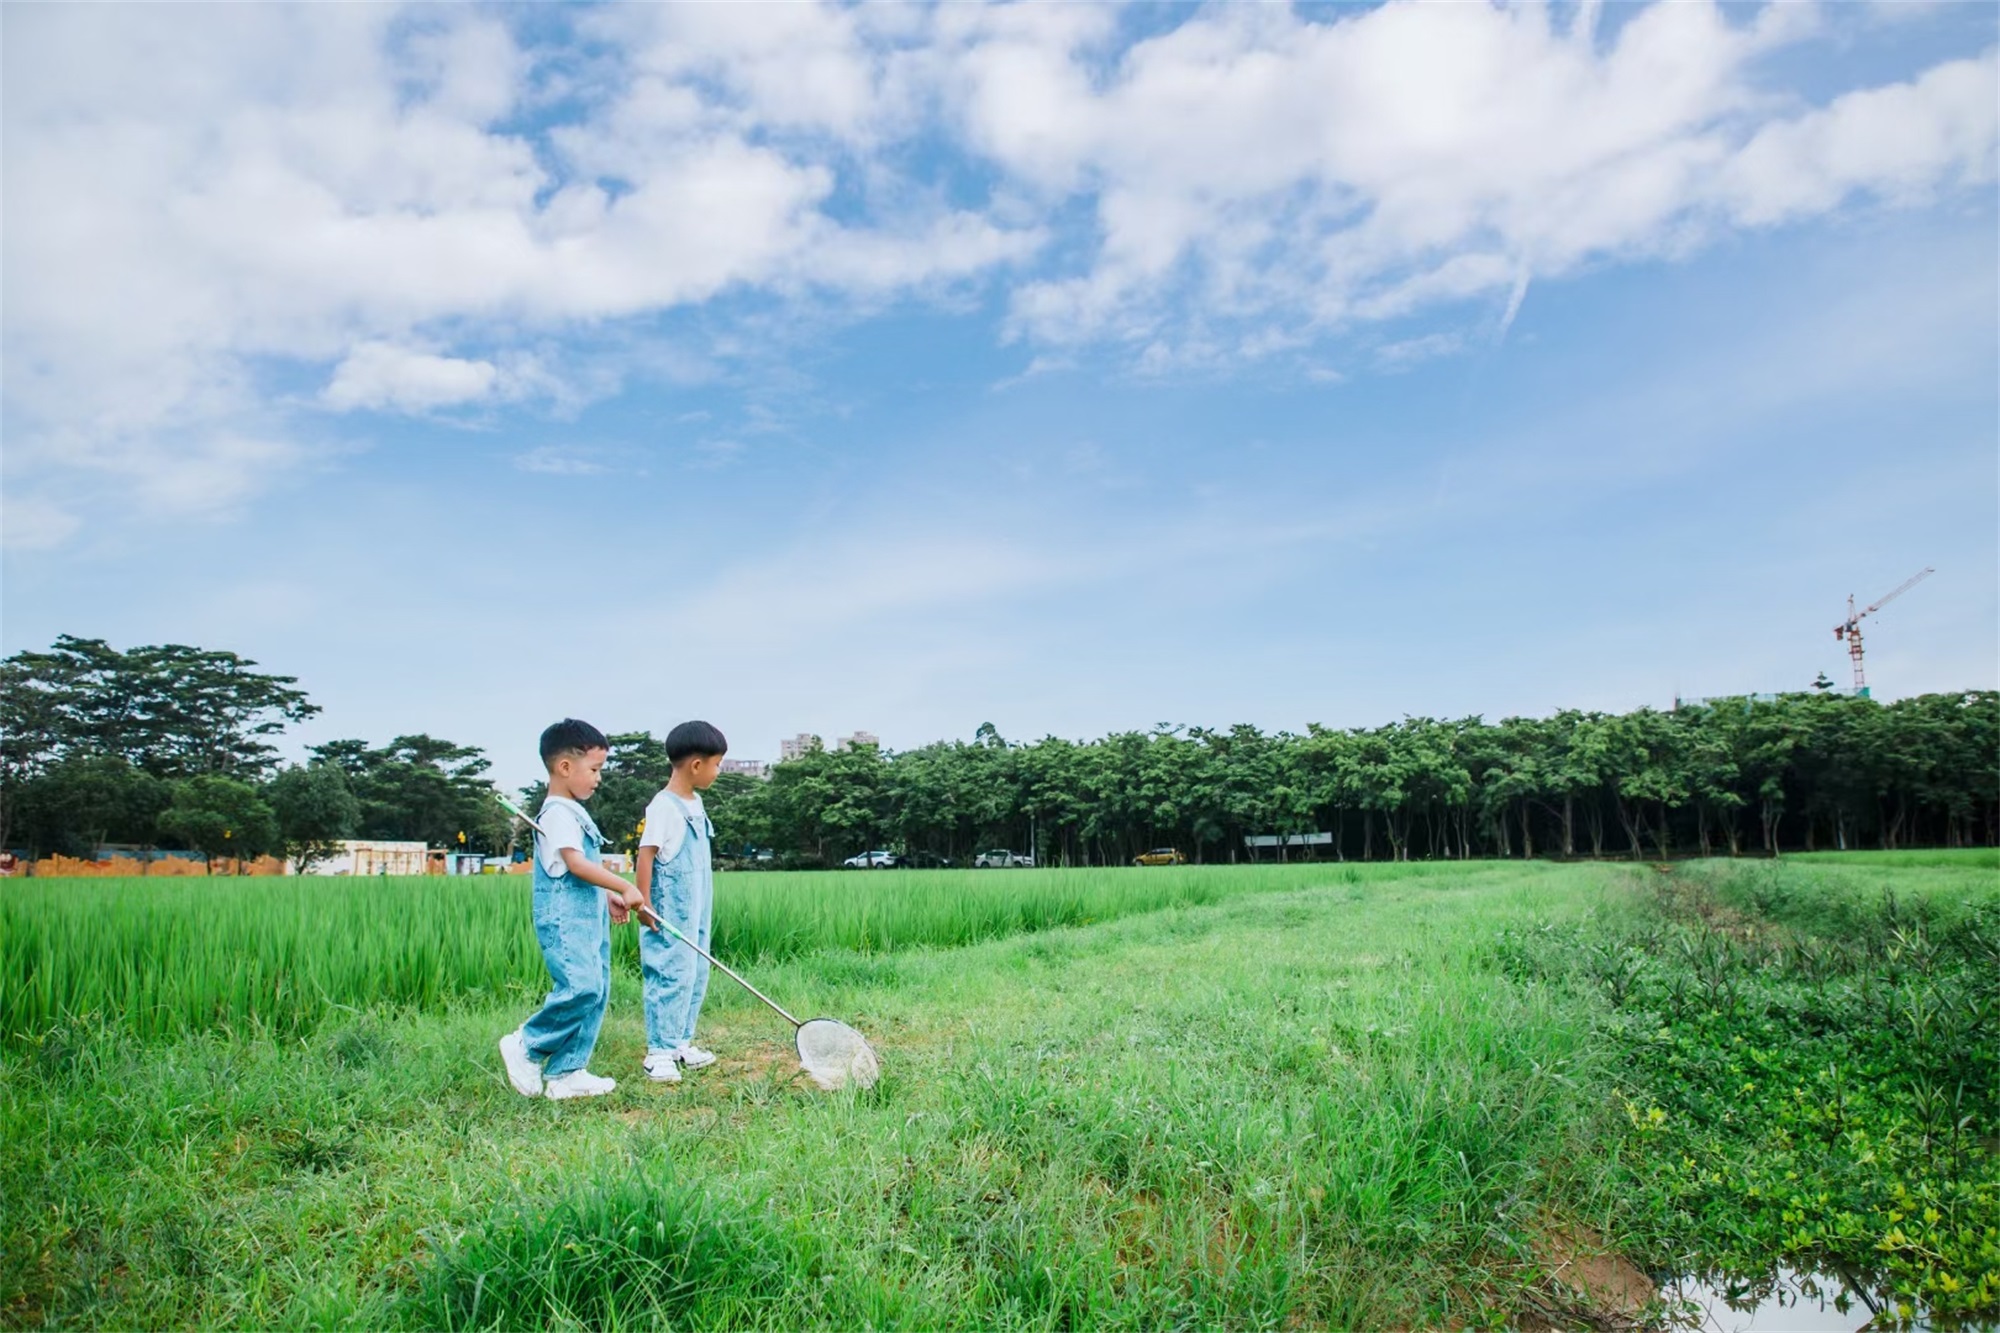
pixel 676 870
pixel 549 1054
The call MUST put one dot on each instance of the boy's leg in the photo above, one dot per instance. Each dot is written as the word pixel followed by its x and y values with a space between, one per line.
pixel 703 914
pixel 575 935
pixel 675 903
pixel 656 950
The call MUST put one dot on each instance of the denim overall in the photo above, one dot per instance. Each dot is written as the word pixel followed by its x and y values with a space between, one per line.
pixel 683 893
pixel 573 923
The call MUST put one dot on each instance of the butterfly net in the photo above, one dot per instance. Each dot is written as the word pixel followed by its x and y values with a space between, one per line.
pixel 834 1055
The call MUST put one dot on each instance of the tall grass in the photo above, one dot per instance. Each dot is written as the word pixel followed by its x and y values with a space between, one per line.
pixel 772 916
pixel 1863 897
pixel 162 958
pixel 632 1252
pixel 159 958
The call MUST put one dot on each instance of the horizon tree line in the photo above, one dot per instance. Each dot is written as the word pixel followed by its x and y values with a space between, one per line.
pixel 172 747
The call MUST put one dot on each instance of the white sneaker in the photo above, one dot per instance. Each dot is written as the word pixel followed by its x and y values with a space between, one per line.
pixel 693 1056
pixel 578 1083
pixel 661 1067
pixel 522 1071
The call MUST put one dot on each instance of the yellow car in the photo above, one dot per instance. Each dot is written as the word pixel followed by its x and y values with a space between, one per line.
pixel 1160 856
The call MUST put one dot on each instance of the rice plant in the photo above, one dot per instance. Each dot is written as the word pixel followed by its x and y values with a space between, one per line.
pixel 159 958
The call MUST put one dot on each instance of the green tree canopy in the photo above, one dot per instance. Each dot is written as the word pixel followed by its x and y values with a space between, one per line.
pixel 315 809
pixel 171 710
pixel 420 788
pixel 84 801
pixel 221 817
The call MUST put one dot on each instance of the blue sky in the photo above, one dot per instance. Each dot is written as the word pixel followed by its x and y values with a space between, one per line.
pixel 1068 368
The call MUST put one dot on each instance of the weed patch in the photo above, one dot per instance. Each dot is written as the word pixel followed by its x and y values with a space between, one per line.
pixel 647 1251
pixel 1806 1091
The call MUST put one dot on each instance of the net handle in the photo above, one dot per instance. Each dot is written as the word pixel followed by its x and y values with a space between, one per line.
pixel 653 919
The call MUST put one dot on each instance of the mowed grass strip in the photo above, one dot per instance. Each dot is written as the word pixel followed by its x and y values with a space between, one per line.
pixel 162 957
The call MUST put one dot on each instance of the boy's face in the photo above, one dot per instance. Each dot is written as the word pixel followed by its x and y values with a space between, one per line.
pixel 581 772
pixel 702 769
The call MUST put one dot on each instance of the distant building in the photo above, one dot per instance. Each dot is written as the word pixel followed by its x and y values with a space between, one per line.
pixel 359 856
pixel 750 768
pixel 1717 700
pixel 806 742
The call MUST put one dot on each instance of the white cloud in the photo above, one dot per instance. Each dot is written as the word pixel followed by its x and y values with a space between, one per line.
pixel 818 585
pixel 379 375
pixel 200 200
pixel 1254 165
pixel 1902 142
pixel 558 461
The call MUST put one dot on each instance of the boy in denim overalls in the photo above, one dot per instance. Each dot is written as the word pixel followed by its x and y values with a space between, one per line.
pixel 573 917
pixel 675 870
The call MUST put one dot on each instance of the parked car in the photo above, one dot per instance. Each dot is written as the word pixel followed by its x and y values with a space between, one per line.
pixel 924 861
pixel 1001 859
pixel 870 861
pixel 1160 856
pixel 747 858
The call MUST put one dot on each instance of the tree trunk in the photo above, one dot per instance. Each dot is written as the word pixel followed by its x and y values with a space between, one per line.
pixel 1631 822
pixel 1527 833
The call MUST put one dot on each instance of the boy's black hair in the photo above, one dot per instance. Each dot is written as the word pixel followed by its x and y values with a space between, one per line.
pixel 692 739
pixel 570 736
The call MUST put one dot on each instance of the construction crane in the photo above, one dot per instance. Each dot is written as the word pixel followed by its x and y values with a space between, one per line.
pixel 1850 629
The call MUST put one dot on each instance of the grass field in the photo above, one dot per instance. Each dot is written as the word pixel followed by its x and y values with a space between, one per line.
pixel 1260 1097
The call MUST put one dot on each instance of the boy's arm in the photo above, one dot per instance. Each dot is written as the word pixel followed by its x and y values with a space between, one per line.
pixel 640 873
pixel 590 872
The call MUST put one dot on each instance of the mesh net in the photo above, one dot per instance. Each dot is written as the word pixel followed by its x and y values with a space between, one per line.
pixel 835 1055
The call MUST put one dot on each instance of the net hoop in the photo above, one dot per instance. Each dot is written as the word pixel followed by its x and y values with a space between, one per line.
pixel 835 1056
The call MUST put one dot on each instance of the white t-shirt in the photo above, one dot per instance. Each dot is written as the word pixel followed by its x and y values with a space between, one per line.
pixel 667 818
pixel 562 822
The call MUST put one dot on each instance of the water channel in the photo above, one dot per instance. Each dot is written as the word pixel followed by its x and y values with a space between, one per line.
pixel 1791 1302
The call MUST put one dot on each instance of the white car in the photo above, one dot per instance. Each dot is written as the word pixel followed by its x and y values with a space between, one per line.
pixel 870 861
pixel 1001 859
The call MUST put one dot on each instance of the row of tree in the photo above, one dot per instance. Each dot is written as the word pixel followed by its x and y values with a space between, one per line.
pixel 99 746
pixel 1728 776
pixel 170 746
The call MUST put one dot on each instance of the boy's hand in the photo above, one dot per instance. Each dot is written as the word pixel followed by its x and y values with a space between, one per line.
pixel 619 914
pixel 633 899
